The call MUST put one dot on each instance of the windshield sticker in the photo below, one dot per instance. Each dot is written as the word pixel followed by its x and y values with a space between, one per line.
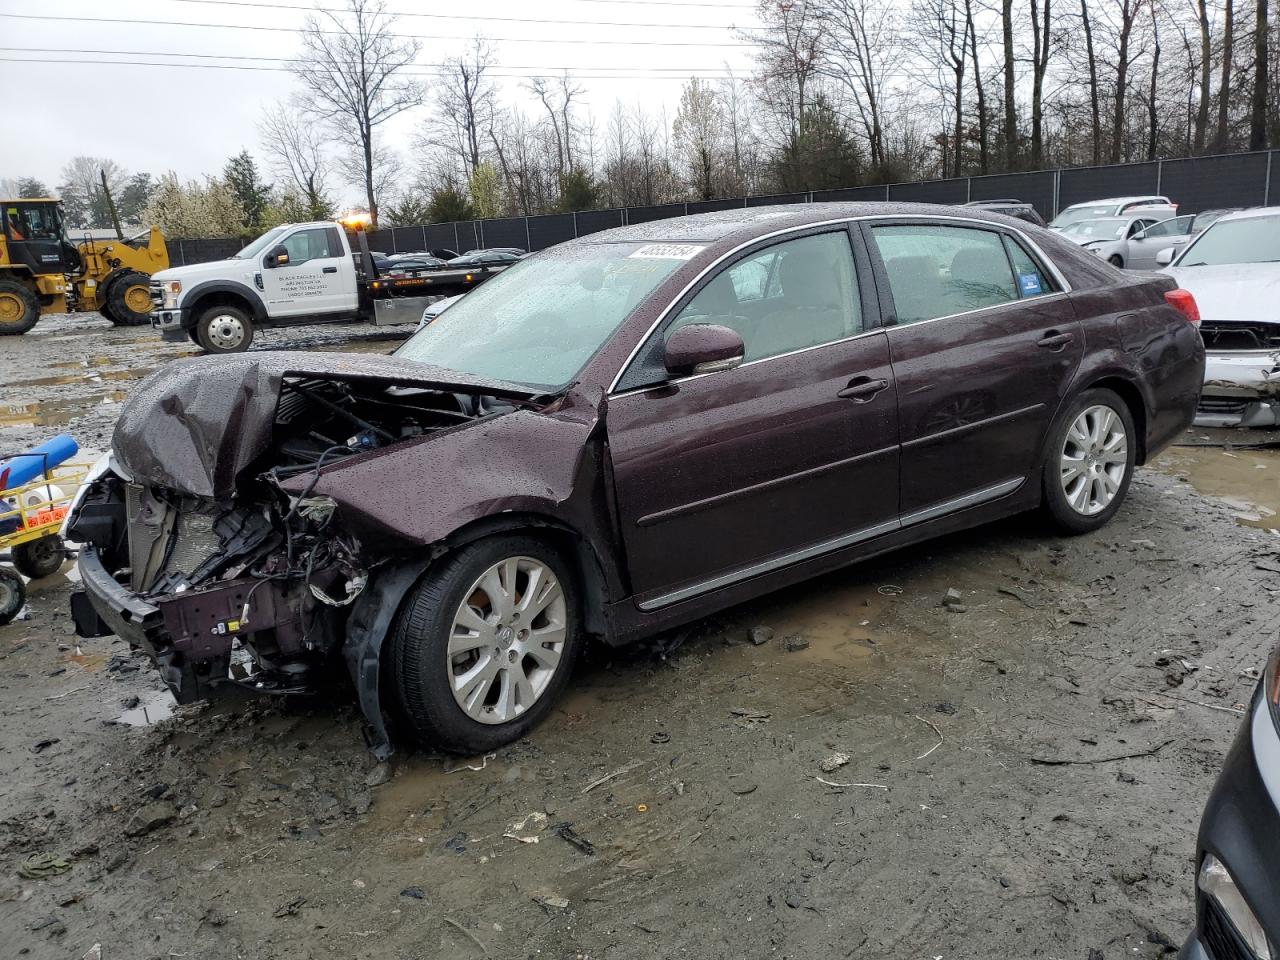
pixel 667 251
pixel 1029 284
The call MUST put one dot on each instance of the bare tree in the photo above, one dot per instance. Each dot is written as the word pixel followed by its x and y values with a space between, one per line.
pixel 971 29
pixel 557 99
pixel 862 48
pixel 1041 40
pixel 1010 110
pixel 1206 65
pixel 1224 89
pixel 1153 114
pixel 791 52
pixel 1095 96
pixel 463 103
pixel 352 68
pixel 1258 111
pixel 944 31
pixel 298 153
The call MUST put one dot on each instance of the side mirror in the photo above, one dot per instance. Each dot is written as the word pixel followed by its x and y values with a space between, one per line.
pixel 703 348
pixel 1165 256
pixel 278 257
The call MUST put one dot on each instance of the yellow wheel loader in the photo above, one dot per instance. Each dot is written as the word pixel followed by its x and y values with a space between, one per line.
pixel 42 272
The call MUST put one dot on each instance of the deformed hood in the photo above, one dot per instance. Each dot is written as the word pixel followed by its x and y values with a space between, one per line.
pixel 196 424
pixel 1233 291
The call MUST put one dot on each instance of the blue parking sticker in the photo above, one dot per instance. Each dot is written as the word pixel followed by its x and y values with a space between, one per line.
pixel 1029 284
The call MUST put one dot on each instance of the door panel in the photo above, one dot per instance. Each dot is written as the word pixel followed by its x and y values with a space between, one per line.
pixel 317 279
pixel 717 473
pixel 983 351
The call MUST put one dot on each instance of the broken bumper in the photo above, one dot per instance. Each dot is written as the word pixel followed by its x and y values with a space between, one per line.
pixel 1241 389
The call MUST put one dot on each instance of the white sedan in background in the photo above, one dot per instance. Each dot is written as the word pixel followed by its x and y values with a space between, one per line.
pixel 1233 271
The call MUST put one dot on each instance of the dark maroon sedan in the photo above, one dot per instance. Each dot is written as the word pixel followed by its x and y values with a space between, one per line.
pixel 619 435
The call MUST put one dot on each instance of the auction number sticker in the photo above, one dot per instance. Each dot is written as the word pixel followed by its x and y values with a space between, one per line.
pixel 667 251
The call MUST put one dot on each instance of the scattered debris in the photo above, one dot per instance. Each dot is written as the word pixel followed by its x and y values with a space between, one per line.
pixel 41 866
pixel 93 953
pixel 484 762
pixel 457 843
pixel 660 737
pixel 609 776
pixel 932 726
pixel 41 745
pixel 289 909
pixel 214 917
pixel 743 789
pixel 1021 597
pixel 151 817
pixel 527 828
pixel 1060 762
pixel 749 718
pixel 378 775
pixel 760 635
pixel 796 643
pixel 872 786
pixel 552 900
pixel 889 590
pixel 467 933
pixel 953 600
pixel 414 893
pixel 834 762
pixel 570 836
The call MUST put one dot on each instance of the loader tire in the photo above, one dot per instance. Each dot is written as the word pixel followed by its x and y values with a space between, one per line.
pixel 129 300
pixel 19 308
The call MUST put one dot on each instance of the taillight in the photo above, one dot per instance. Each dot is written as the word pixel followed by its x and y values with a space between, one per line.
pixel 1182 301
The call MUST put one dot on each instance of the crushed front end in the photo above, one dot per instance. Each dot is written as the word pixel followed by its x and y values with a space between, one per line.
pixel 202 541
pixel 1242 374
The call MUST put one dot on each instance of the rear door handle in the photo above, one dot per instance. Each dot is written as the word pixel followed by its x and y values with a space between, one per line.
pixel 329 270
pixel 1053 340
pixel 862 389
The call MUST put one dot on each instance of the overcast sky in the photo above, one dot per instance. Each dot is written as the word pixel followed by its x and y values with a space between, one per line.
pixel 189 119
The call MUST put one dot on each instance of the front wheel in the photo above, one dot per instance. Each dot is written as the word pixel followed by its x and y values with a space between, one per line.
pixel 485 644
pixel 19 308
pixel 1089 461
pixel 224 330
pixel 40 558
pixel 1116 261
pixel 128 300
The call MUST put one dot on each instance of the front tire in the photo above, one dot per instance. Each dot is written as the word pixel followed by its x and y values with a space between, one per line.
pixel 40 558
pixel 224 329
pixel 1089 461
pixel 485 644
pixel 1116 261
pixel 128 301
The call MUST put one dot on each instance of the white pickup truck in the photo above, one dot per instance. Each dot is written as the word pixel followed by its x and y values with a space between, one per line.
pixel 298 273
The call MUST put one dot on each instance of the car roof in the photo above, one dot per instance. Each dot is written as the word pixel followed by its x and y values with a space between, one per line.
pixel 746 223
pixel 1250 214
pixel 1152 198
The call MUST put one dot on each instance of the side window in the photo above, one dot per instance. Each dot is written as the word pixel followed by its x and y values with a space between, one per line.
pixel 310 244
pixel 1176 227
pixel 936 271
pixel 796 294
pixel 1032 281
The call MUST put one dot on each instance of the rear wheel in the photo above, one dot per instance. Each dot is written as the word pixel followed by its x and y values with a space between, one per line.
pixel 19 308
pixel 1115 260
pixel 224 329
pixel 485 643
pixel 13 594
pixel 128 301
pixel 1089 462
pixel 40 558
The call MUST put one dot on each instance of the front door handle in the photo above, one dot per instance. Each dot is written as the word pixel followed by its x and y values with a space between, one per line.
pixel 862 389
pixel 1055 341
pixel 329 270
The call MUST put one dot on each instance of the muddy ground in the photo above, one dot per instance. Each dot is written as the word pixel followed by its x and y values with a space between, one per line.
pixel 1025 771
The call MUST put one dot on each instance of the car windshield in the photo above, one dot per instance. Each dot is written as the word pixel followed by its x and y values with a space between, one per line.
pixel 1109 228
pixel 1251 240
pixel 540 321
pixel 253 249
pixel 1076 214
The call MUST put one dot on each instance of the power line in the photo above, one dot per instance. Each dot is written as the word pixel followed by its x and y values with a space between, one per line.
pixel 410 73
pixel 406 36
pixel 293 60
pixel 463 16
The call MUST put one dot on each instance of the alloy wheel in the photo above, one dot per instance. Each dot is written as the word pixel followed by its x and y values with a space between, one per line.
pixel 506 640
pixel 1093 461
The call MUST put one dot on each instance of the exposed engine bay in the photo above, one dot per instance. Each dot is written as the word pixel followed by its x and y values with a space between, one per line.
pixel 254 587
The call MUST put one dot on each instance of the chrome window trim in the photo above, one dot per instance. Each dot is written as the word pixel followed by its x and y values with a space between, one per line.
pixel 1035 248
pixel 828 546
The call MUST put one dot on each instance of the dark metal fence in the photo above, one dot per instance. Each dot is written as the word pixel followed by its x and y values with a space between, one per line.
pixel 1195 184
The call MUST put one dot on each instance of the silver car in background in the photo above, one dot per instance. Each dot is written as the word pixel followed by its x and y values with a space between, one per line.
pixel 1233 271
pixel 1109 237
pixel 1140 251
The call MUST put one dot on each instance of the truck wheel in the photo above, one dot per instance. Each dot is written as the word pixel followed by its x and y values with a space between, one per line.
pixel 13 594
pixel 19 308
pixel 224 330
pixel 485 643
pixel 40 558
pixel 129 300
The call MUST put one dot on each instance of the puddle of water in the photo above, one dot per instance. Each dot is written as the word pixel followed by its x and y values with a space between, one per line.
pixel 85 376
pixel 152 708
pixel 1248 481
pixel 54 413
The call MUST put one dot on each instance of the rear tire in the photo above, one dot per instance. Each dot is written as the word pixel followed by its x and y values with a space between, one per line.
pixel 1089 461
pixel 40 558
pixel 224 330
pixel 19 308
pixel 128 300
pixel 13 594
pixel 1116 261
pixel 471 671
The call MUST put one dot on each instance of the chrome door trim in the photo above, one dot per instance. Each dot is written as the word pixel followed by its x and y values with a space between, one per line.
pixel 828 546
